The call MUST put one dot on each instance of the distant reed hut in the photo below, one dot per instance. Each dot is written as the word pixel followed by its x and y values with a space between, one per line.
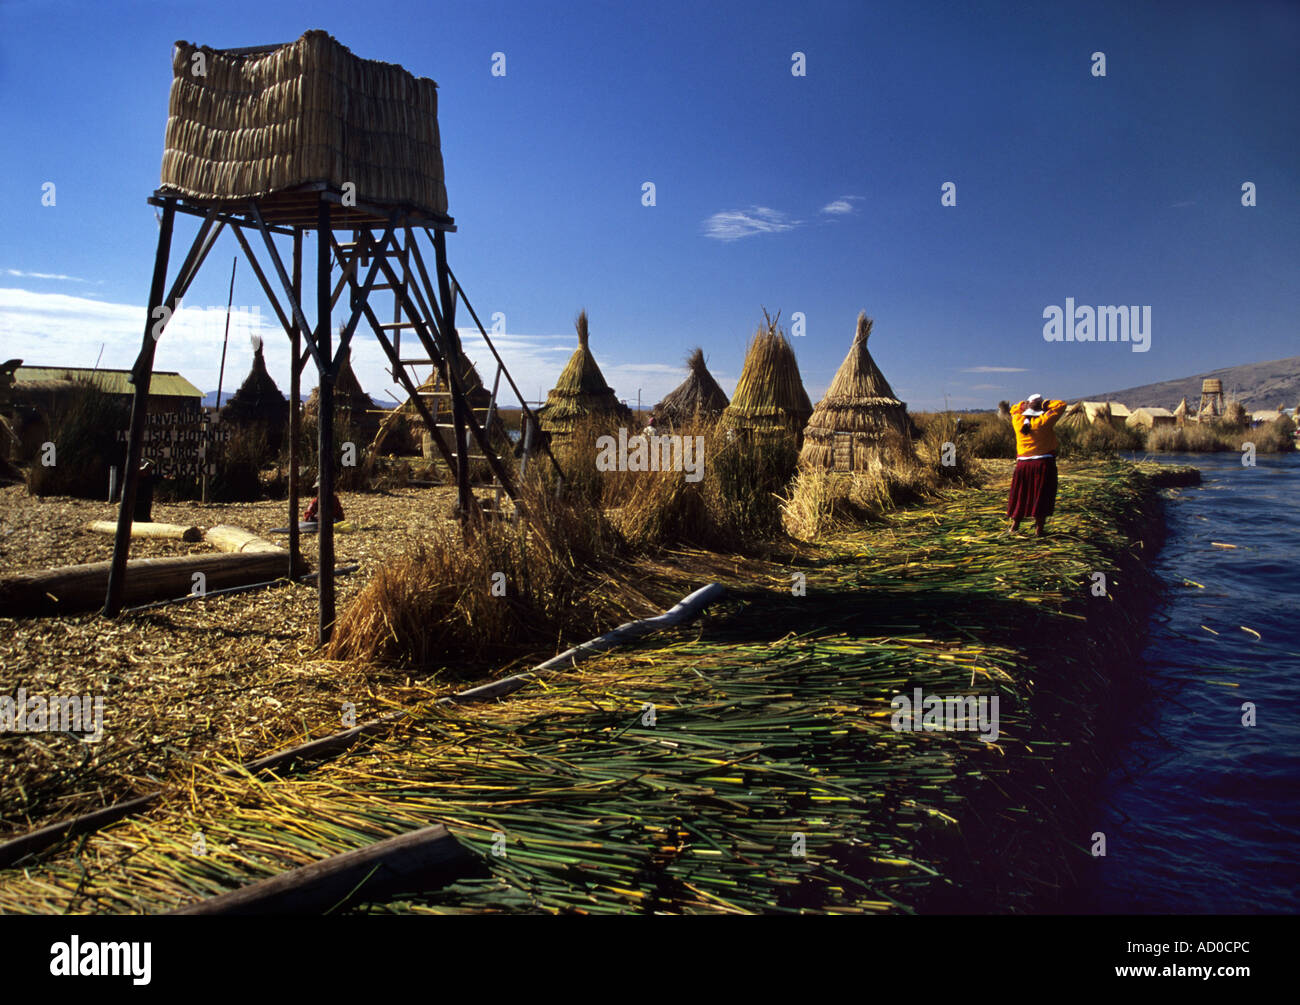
pixel 1234 415
pixel 770 401
pixel 437 398
pixel 1149 418
pixel 580 393
pixel 1182 413
pixel 1075 417
pixel 696 399
pixel 859 414
pixel 258 404
pixel 1117 413
pixel 350 400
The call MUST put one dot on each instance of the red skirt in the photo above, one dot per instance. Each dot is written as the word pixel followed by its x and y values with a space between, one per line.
pixel 1033 489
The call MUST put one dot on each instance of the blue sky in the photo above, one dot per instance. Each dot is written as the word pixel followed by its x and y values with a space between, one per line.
pixel 1117 190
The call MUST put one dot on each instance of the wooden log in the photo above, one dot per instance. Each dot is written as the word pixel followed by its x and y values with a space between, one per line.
pixel 420 859
pixel 71 589
pixel 243 542
pixel 172 531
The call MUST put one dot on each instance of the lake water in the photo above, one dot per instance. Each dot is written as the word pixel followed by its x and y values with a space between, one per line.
pixel 1204 815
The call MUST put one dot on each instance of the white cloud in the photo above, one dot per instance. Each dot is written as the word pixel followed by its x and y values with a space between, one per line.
pixel 20 274
pixel 731 225
pixel 842 206
pixel 54 329
pixel 995 369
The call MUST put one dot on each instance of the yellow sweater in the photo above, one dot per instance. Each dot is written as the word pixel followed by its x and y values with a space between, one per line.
pixel 1039 438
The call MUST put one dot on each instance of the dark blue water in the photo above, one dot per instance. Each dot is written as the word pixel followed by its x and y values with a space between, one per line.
pixel 1204 816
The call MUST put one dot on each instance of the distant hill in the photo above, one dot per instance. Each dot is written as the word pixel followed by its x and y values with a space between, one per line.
pixel 210 399
pixel 1255 385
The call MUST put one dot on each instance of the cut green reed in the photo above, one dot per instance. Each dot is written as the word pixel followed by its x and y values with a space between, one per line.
pixel 770 779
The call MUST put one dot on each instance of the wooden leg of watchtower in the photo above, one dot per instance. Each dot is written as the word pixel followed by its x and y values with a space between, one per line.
pixel 142 374
pixel 325 428
pixel 295 416
pixel 452 357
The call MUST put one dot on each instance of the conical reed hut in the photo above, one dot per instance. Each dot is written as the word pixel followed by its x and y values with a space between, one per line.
pixel 770 400
pixel 696 398
pixel 858 415
pixel 258 402
pixel 349 400
pixel 580 392
pixel 1181 412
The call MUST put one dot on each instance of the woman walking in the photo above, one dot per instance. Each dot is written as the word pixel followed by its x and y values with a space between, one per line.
pixel 1033 484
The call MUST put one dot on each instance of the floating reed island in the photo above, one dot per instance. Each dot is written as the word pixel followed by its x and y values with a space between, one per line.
pixel 770 401
pixel 771 728
pixel 580 395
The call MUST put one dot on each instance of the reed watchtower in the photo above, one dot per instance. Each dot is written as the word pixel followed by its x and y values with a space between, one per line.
pixel 284 142
pixel 1211 398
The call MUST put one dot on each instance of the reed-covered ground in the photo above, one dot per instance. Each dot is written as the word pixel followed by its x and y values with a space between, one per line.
pixel 771 722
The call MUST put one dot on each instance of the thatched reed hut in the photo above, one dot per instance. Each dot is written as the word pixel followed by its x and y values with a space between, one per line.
pixel 350 401
pixel 770 400
pixel 1149 418
pixel 697 398
pixel 580 393
pixel 1117 413
pixel 1075 417
pixel 858 415
pixel 1234 415
pixel 1182 413
pixel 258 403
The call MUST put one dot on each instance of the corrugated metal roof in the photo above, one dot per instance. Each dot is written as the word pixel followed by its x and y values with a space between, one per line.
pixel 165 383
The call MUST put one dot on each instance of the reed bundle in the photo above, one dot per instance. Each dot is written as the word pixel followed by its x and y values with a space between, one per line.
pixel 771 735
pixel 252 125
pixel 461 597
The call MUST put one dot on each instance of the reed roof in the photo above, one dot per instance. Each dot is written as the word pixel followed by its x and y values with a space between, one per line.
pixel 698 396
pixel 256 123
pixel 770 396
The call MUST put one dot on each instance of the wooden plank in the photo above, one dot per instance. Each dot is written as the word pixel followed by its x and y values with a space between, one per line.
pixel 328 368
pixel 78 588
pixel 417 860
pixel 239 541
pixel 167 531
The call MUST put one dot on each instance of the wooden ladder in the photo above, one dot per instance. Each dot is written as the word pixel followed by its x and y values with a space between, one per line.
pixel 416 311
